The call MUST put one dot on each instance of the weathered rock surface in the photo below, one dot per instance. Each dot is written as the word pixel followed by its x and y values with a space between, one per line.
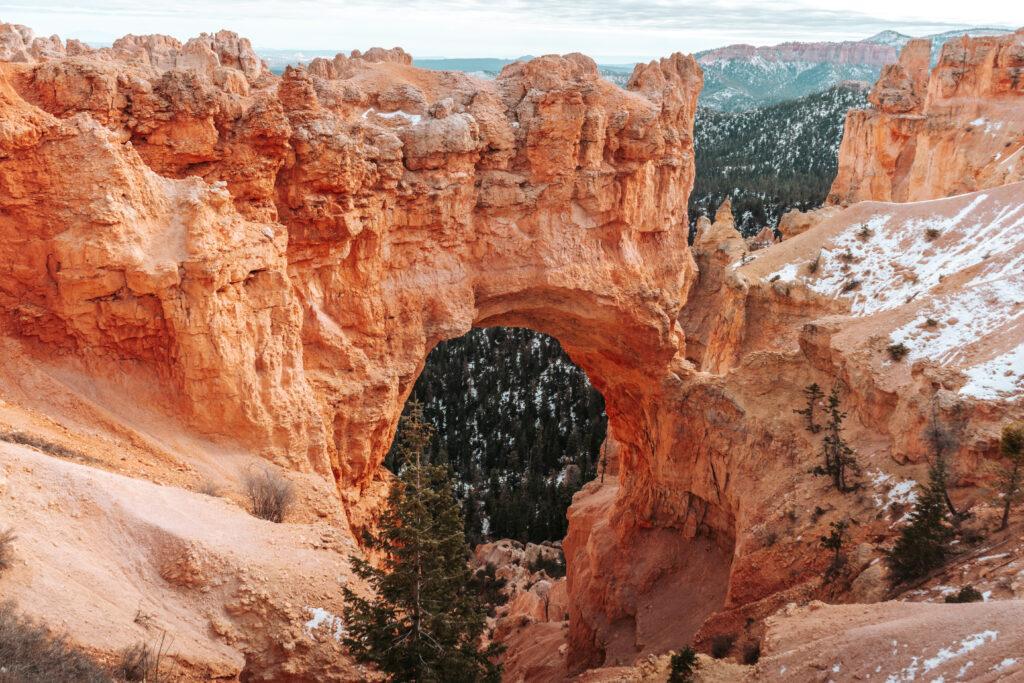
pixel 391 207
pixel 266 261
pixel 275 256
pixel 955 130
pixel 795 222
pixel 115 561
pixel 900 641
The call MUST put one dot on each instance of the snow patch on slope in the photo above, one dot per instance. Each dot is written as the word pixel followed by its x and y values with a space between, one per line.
pixel 1000 378
pixel 333 625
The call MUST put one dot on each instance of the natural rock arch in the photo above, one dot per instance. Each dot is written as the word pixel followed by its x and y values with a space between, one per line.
pixel 360 211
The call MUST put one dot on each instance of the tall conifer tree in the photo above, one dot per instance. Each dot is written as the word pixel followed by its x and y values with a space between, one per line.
pixel 425 620
pixel 921 546
pixel 1010 478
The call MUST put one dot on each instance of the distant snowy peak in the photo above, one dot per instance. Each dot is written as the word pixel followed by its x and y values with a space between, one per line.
pixel 897 40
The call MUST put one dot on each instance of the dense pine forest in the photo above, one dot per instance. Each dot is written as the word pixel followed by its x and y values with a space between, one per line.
pixel 519 427
pixel 517 424
pixel 770 160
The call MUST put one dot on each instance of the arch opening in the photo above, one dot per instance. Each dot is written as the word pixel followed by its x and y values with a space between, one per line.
pixel 519 426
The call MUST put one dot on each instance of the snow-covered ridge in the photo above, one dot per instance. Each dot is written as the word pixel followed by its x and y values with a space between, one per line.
pixel 953 267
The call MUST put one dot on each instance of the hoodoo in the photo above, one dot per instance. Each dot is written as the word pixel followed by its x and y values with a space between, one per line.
pixel 934 133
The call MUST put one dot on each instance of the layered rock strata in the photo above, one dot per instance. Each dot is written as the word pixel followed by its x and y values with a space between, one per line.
pixel 277 255
pixel 281 253
pixel 957 129
pixel 330 226
pixel 808 53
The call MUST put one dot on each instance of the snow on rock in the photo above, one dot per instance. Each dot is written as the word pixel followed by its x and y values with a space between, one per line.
pixel 331 624
pixel 968 644
pixel 894 641
pixel 947 274
pixel 895 259
pixel 1005 664
pixel 903 492
pixel 397 115
pixel 999 378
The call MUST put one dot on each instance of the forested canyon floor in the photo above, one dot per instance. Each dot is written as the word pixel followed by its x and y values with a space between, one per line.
pixel 349 215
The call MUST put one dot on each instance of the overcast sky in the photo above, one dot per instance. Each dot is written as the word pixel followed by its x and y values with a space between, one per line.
pixel 482 28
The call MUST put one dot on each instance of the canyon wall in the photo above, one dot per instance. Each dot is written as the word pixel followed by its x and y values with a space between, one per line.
pixel 957 129
pixel 328 227
pixel 277 255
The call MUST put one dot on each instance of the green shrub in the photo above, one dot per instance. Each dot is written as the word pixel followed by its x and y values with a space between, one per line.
pixel 683 665
pixel 751 653
pixel 967 594
pixel 1009 479
pixel 898 351
pixel 489 587
pixel 552 566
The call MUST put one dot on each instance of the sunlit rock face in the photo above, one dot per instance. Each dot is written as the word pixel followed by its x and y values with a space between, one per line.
pixel 277 255
pixel 353 214
pixel 281 253
pixel 957 129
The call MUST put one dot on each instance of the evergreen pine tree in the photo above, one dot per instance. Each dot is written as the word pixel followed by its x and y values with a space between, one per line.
pixel 682 666
pixel 921 546
pixel 835 541
pixel 424 621
pixel 942 443
pixel 1009 479
pixel 814 394
pixel 839 461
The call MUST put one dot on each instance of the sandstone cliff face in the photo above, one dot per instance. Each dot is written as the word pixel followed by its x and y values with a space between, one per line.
pixel 276 256
pixel 955 130
pixel 391 207
pixel 280 254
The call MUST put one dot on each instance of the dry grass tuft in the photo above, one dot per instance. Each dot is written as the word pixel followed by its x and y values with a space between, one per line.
pixel 270 494
pixel 7 539
pixel 29 654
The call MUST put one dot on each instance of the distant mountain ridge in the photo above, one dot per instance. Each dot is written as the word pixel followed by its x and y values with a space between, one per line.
pixel 742 77
pixel 737 77
pixel 897 40
pixel 860 52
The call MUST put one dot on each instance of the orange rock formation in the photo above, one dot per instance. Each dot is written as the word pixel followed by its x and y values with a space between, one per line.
pixel 280 254
pixel 955 130
pixel 345 218
pixel 271 258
